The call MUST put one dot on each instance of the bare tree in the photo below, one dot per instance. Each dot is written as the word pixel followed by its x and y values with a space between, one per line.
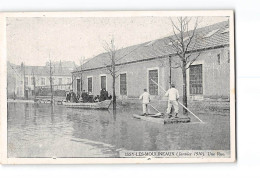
pixel 34 84
pixel 115 55
pixel 24 84
pixel 184 43
pixel 82 59
pixel 51 80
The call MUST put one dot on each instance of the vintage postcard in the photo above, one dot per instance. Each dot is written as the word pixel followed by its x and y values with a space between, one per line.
pixel 117 87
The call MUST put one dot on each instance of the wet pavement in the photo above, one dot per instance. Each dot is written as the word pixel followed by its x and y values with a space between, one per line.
pixel 42 130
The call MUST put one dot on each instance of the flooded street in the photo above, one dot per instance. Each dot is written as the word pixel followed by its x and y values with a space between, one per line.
pixel 40 130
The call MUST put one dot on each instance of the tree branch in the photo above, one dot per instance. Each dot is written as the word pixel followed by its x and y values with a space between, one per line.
pixel 192 36
pixel 173 28
pixel 191 62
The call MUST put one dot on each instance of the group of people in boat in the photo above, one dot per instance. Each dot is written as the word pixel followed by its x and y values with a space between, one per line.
pixel 173 97
pixel 172 94
pixel 86 97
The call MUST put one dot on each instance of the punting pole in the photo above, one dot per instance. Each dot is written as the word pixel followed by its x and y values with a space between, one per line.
pixel 155 108
pixel 180 103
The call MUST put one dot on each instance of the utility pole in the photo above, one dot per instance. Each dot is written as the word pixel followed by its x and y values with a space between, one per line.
pixel 51 79
pixel 170 66
pixel 81 82
pixel 34 86
pixel 24 85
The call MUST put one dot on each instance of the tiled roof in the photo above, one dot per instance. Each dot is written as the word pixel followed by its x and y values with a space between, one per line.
pixel 161 47
pixel 57 69
pixel 41 70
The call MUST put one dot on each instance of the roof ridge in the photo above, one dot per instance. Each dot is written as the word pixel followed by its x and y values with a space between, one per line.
pixel 207 28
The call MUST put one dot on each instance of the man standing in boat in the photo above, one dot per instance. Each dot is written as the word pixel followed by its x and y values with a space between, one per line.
pixel 173 97
pixel 68 96
pixel 146 100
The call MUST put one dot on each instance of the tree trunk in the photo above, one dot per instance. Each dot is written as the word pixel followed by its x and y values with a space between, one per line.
pixel 34 87
pixel 114 92
pixel 51 83
pixel 185 103
pixel 170 69
pixel 51 92
pixel 114 83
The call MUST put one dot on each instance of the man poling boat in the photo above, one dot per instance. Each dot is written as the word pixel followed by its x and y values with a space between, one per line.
pixel 146 99
pixel 180 103
pixel 173 97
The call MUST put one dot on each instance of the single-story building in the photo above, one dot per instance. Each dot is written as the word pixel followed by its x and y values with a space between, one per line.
pixel 207 77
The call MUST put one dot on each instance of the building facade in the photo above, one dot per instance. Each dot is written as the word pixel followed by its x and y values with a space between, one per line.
pixel 207 77
pixel 30 81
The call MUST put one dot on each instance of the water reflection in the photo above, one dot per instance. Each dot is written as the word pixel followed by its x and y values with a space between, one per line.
pixel 153 136
pixel 52 112
pixel 43 130
pixel 35 114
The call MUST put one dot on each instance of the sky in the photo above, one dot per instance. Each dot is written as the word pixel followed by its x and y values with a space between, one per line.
pixel 35 40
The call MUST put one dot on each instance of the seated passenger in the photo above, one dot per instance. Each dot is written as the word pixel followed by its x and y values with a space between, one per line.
pixel 96 98
pixel 84 96
pixel 103 95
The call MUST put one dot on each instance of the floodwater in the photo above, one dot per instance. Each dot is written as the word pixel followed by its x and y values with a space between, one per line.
pixel 42 130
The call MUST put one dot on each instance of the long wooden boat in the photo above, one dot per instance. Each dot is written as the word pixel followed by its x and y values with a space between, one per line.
pixel 98 105
pixel 162 119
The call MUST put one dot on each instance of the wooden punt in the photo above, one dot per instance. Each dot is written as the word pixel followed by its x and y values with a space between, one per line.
pixel 162 119
pixel 98 105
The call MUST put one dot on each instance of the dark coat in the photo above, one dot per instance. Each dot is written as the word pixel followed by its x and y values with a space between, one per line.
pixel 73 98
pixel 103 95
pixel 84 96
pixel 68 97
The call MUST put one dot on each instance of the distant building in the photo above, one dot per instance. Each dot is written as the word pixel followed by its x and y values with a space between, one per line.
pixel 208 77
pixel 26 81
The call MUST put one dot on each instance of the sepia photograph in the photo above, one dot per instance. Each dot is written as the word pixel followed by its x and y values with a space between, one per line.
pixel 118 87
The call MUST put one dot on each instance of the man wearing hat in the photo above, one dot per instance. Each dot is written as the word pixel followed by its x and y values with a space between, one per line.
pixel 173 97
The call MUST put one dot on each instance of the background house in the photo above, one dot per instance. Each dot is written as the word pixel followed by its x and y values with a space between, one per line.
pixel 28 81
pixel 208 77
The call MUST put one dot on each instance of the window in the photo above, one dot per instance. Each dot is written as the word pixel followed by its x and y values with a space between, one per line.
pixel 123 84
pixel 68 80
pixel 32 80
pixel 90 86
pixel 196 80
pixel 219 59
pixel 42 81
pixel 153 77
pixel 78 85
pixel 184 39
pixel 177 41
pixel 60 81
pixel 225 31
pixel 26 81
pixel 211 33
pixel 150 43
pixel 103 80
